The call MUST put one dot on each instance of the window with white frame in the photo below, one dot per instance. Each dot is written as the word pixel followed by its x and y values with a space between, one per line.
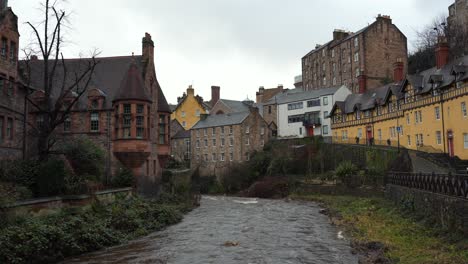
pixel 183 114
pixel 221 157
pixel 295 106
pixel 438 138
pixel 379 134
pixel 223 142
pixel 214 142
pixel 465 140
pixel 437 113
pixel 94 125
pixel 359 133
pixel 231 156
pixel 247 129
pixel 325 100
pixel 408 119
pixel 356 42
pixel 231 142
pixel 463 109
pixel 206 143
pixel 197 112
pixel 325 114
pixel 262 130
pixel 247 141
pixel 409 140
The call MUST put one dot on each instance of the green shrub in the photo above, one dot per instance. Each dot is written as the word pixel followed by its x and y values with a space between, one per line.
pixel 50 178
pixel 72 232
pixel 123 179
pixel 347 172
pixel 85 157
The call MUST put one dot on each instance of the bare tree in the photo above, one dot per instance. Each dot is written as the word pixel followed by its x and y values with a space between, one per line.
pixel 58 81
pixel 425 45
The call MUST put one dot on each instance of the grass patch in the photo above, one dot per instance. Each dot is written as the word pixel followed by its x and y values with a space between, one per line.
pixel 407 240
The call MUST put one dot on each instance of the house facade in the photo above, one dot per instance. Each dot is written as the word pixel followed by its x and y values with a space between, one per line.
pixel 220 141
pixel 362 60
pixel 190 107
pixel 123 110
pixel 426 111
pixel 12 91
pixel 305 114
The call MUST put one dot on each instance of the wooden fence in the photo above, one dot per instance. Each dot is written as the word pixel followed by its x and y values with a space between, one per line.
pixel 455 185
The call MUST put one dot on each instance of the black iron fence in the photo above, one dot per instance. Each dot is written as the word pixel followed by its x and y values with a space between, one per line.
pixel 448 184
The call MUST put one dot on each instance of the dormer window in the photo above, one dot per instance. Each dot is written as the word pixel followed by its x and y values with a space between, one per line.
pixel 358 114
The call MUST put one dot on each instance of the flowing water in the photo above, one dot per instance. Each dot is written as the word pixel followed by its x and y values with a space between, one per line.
pixel 236 230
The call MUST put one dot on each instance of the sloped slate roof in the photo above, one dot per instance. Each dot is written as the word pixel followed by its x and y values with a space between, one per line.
pixel 423 82
pixel 235 106
pixel 163 106
pixel 371 98
pixel 132 86
pixel 222 120
pixel 108 76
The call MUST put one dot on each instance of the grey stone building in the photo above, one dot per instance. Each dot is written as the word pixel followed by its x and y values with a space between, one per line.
pixel 219 141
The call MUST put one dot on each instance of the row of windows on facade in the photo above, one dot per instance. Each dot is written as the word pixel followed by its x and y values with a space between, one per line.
pixel 223 142
pixel 6 129
pixel 394 132
pixel 8 52
pixel 94 125
pixel 311 103
pixel 301 118
pixel 325 130
pixel 222 157
pixel 417 114
pixel 197 113
pixel 332 51
pixel 222 130
pixel 7 86
pixel 315 66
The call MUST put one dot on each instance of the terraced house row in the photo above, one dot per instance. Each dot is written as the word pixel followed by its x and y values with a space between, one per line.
pixel 425 111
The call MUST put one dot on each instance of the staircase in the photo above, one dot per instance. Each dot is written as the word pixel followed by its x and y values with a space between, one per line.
pixel 455 164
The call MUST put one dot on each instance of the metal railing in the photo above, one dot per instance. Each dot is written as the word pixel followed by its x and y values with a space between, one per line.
pixel 447 184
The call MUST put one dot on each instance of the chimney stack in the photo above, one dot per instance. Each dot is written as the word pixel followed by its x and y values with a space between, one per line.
pixel 442 52
pixel 3 4
pixel 215 95
pixel 259 94
pixel 148 48
pixel 190 91
pixel 362 79
pixel 398 73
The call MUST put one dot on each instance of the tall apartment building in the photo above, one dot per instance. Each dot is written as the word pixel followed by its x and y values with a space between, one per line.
pixel 362 60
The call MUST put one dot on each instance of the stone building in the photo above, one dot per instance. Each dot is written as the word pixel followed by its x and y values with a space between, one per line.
pixel 181 146
pixel 362 60
pixel 263 95
pixel 12 92
pixel 426 111
pixel 224 106
pixel 219 141
pixel 458 27
pixel 190 107
pixel 123 110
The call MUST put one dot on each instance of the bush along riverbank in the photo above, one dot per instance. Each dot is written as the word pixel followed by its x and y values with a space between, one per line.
pixel 383 233
pixel 69 233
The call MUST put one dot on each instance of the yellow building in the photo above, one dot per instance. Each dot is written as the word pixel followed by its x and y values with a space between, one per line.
pixel 426 112
pixel 189 108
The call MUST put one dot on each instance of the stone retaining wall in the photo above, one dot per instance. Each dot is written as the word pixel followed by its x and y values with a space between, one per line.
pixel 51 205
pixel 450 212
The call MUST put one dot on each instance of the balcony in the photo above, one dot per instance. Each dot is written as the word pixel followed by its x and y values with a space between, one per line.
pixel 312 122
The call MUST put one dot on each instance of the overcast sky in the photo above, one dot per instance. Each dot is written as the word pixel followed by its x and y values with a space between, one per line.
pixel 236 44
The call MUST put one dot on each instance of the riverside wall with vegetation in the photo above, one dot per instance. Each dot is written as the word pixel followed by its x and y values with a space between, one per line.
pixel 67 213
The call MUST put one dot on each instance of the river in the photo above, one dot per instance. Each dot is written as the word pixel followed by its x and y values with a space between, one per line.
pixel 229 230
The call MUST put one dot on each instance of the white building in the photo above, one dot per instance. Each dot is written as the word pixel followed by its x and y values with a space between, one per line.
pixel 302 114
